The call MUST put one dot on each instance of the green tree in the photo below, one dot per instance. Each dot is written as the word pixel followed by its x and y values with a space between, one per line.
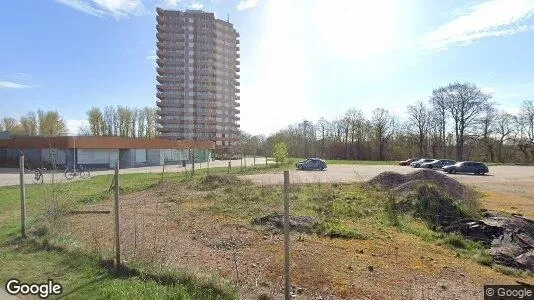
pixel 280 152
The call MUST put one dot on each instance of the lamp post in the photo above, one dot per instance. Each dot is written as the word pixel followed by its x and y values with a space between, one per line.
pixel 74 156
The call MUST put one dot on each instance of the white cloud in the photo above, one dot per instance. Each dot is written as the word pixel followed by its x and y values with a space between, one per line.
pixel 492 18
pixel 120 8
pixel 83 7
pixel 196 5
pixel 13 85
pixel 355 29
pixel 276 83
pixel 151 57
pixel 171 3
pixel 247 4
pixel 101 8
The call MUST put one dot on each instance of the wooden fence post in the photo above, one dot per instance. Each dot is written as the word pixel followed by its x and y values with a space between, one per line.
pixel 117 221
pixel 193 168
pixel 22 197
pixel 229 166
pixel 287 288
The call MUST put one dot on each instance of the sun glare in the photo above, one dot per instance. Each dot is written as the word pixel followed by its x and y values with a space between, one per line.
pixel 356 29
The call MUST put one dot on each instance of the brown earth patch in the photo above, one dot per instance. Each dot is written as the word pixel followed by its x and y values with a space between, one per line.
pixel 171 226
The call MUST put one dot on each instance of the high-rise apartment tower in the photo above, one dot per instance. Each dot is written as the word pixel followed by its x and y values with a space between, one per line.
pixel 197 74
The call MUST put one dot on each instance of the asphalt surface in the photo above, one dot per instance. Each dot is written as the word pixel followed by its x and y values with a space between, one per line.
pixel 351 173
pixel 11 176
pixel 501 175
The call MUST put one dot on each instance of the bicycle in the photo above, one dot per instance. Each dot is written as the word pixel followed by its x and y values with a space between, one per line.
pixel 39 178
pixel 81 171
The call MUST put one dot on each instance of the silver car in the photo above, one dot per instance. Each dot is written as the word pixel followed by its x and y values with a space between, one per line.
pixel 418 163
pixel 438 163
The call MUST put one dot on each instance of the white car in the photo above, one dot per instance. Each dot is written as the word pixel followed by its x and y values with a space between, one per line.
pixel 418 163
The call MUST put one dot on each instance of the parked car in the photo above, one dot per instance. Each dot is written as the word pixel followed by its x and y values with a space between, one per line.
pixel 467 167
pixel 311 164
pixel 438 163
pixel 408 161
pixel 418 163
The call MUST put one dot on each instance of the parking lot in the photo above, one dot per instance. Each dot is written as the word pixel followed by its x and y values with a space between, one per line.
pixel 350 173
pixel 499 175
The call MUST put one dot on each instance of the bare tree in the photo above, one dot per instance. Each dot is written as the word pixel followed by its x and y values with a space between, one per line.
pixel 321 126
pixel 356 120
pixel 465 102
pixel 51 124
pixel 439 101
pixel 109 120
pixel 29 124
pixel 141 123
pixel 504 130
pixel 97 124
pixel 151 116
pixel 526 129
pixel 11 125
pixel 419 121
pixel 486 127
pixel 383 126
pixel 435 134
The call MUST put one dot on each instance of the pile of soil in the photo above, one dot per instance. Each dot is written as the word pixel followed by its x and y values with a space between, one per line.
pixel 213 182
pixel 303 224
pixel 510 238
pixel 407 184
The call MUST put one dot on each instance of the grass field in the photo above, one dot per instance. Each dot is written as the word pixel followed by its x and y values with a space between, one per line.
pixel 39 258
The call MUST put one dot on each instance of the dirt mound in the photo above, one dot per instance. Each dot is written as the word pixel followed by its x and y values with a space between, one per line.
pixel 212 182
pixel 407 184
pixel 304 224
pixel 388 179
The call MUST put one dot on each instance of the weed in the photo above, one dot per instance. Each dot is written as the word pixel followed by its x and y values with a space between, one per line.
pixel 337 229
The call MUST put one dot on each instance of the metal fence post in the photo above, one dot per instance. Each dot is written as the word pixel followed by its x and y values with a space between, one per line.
pixel 117 221
pixel 286 236
pixel 22 197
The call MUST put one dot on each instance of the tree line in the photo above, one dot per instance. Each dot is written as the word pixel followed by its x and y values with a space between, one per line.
pixel 121 121
pixel 458 121
pixel 40 123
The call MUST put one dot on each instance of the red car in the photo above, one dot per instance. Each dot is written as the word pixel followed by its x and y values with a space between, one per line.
pixel 408 161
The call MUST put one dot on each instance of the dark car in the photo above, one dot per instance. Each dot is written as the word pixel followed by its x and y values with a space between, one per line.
pixel 311 164
pixel 438 163
pixel 408 161
pixel 467 167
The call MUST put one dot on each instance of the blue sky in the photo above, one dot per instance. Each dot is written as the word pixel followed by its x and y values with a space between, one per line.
pixel 299 59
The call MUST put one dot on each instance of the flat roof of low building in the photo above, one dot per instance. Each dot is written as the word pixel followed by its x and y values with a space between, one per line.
pixel 100 142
